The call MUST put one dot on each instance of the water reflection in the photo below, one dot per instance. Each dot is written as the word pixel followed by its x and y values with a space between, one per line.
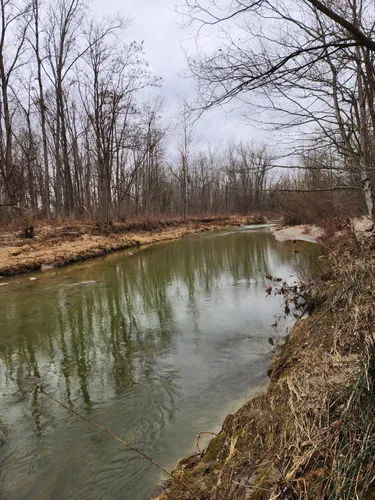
pixel 144 345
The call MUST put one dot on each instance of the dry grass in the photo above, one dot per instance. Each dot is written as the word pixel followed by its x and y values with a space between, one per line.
pixel 312 434
pixel 65 241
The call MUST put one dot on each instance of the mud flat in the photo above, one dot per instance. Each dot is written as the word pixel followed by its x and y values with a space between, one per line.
pixel 303 232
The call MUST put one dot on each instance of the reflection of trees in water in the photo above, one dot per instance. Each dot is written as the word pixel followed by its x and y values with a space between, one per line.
pixel 110 336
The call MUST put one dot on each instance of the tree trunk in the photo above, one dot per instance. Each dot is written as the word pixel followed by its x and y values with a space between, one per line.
pixel 42 112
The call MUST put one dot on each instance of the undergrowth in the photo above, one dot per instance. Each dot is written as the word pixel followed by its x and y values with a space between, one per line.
pixel 353 470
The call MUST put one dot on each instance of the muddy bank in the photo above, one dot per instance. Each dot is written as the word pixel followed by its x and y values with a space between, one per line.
pixel 359 226
pixel 60 244
pixel 305 232
pixel 310 435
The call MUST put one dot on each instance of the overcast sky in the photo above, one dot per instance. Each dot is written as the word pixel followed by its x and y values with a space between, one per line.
pixel 157 23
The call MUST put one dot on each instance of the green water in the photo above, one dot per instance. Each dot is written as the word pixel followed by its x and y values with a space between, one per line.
pixel 156 346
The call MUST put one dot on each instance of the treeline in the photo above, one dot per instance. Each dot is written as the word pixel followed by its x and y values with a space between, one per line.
pixel 77 140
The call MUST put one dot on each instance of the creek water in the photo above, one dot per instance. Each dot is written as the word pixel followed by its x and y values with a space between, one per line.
pixel 155 346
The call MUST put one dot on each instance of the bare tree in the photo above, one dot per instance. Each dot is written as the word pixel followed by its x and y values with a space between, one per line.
pixel 281 55
pixel 15 18
pixel 115 73
pixel 185 150
pixel 36 45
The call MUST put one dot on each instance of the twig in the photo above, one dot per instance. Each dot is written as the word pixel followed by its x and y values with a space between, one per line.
pixel 94 424
pixel 330 363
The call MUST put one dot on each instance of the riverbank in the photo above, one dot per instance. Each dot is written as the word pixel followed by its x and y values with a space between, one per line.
pixel 311 434
pixel 361 227
pixel 305 232
pixel 58 244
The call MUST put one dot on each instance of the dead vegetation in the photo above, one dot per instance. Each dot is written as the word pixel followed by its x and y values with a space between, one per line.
pixel 312 434
pixel 62 242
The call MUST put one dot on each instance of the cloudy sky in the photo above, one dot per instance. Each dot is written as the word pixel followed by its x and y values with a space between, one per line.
pixel 157 23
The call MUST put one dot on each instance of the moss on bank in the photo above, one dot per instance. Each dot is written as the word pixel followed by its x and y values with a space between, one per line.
pixel 312 434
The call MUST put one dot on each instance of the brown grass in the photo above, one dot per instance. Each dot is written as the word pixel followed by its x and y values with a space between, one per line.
pixel 62 242
pixel 312 434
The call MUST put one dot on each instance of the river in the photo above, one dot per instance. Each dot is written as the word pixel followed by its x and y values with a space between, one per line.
pixel 156 346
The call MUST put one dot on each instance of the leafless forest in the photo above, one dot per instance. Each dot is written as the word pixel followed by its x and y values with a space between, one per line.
pixel 79 139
